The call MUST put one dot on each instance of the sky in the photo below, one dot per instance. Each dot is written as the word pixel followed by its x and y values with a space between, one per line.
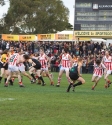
pixel 68 3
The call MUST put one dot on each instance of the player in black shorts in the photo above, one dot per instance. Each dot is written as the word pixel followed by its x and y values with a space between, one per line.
pixel 35 66
pixel 4 65
pixel 75 75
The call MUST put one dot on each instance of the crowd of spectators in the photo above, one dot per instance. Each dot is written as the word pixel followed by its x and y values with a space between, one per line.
pixel 88 50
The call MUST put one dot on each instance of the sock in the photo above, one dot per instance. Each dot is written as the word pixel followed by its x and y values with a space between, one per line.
pixel 0 78
pixel 36 77
pixel 13 79
pixel 6 83
pixel 39 81
pixel 109 81
pixel 11 82
pixel 5 79
pixel 59 79
pixel 40 78
pixel 70 85
pixel 77 84
pixel 33 76
pixel 20 83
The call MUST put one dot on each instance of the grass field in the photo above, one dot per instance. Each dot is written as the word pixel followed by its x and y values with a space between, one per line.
pixel 49 105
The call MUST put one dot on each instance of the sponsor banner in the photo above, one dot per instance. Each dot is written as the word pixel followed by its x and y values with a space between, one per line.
pixel 105 6
pixel 84 39
pixel 9 37
pixel 93 33
pixel 102 6
pixel 27 38
pixel 46 37
pixel 64 37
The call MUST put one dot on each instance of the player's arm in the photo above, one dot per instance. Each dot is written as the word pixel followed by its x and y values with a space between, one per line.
pixel 1 58
pixel 48 59
pixel 19 59
pixel 60 60
pixel 105 69
pixel 8 60
pixel 71 60
pixel 60 63
pixel 102 60
pixel 31 62
pixel 79 69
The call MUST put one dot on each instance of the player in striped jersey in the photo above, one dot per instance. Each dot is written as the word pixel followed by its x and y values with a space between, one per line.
pixel 66 64
pixel 21 66
pixel 45 64
pixel 107 61
pixel 98 72
pixel 14 60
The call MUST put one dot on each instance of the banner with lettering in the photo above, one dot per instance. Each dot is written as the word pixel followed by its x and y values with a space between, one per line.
pixel 93 33
pixel 8 37
pixel 27 37
pixel 46 37
pixel 84 39
pixel 64 37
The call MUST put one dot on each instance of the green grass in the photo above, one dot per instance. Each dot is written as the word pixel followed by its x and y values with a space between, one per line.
pixel 48 105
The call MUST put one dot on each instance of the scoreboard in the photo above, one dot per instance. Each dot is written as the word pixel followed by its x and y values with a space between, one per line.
pixel 93 15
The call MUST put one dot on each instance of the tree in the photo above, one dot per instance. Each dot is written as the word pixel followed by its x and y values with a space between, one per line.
pixel 36 16
pixel 69 27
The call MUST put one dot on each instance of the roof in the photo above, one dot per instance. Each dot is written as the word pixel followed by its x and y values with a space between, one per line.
pixel 66 32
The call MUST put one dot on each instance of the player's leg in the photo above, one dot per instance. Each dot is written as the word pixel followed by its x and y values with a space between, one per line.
pixel 19 78
pixel 31 73
pixel 23 72
pixel 49 76
pixel 95 79
pixel 107 81
pixel 6 73
pixel 59 76
pixel 41 72
pixel 38 72
pixel 27 75
pixel 8 78
pixel 2 73
pixel 71 85
pixel 67 75
pixel 80 82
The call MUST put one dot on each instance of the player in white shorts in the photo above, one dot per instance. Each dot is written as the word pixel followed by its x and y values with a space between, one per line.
pixel 21 67
pixel 66 64
pixel 107 61
pixel 98 72
pixel 45 63
pixel 13 68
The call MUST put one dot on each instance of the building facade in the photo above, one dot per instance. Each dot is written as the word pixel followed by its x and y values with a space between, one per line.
pixel 93 18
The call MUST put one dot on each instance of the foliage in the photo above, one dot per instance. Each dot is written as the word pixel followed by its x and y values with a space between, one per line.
pixel 2 2
pixel 36 16
pixel 69 27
